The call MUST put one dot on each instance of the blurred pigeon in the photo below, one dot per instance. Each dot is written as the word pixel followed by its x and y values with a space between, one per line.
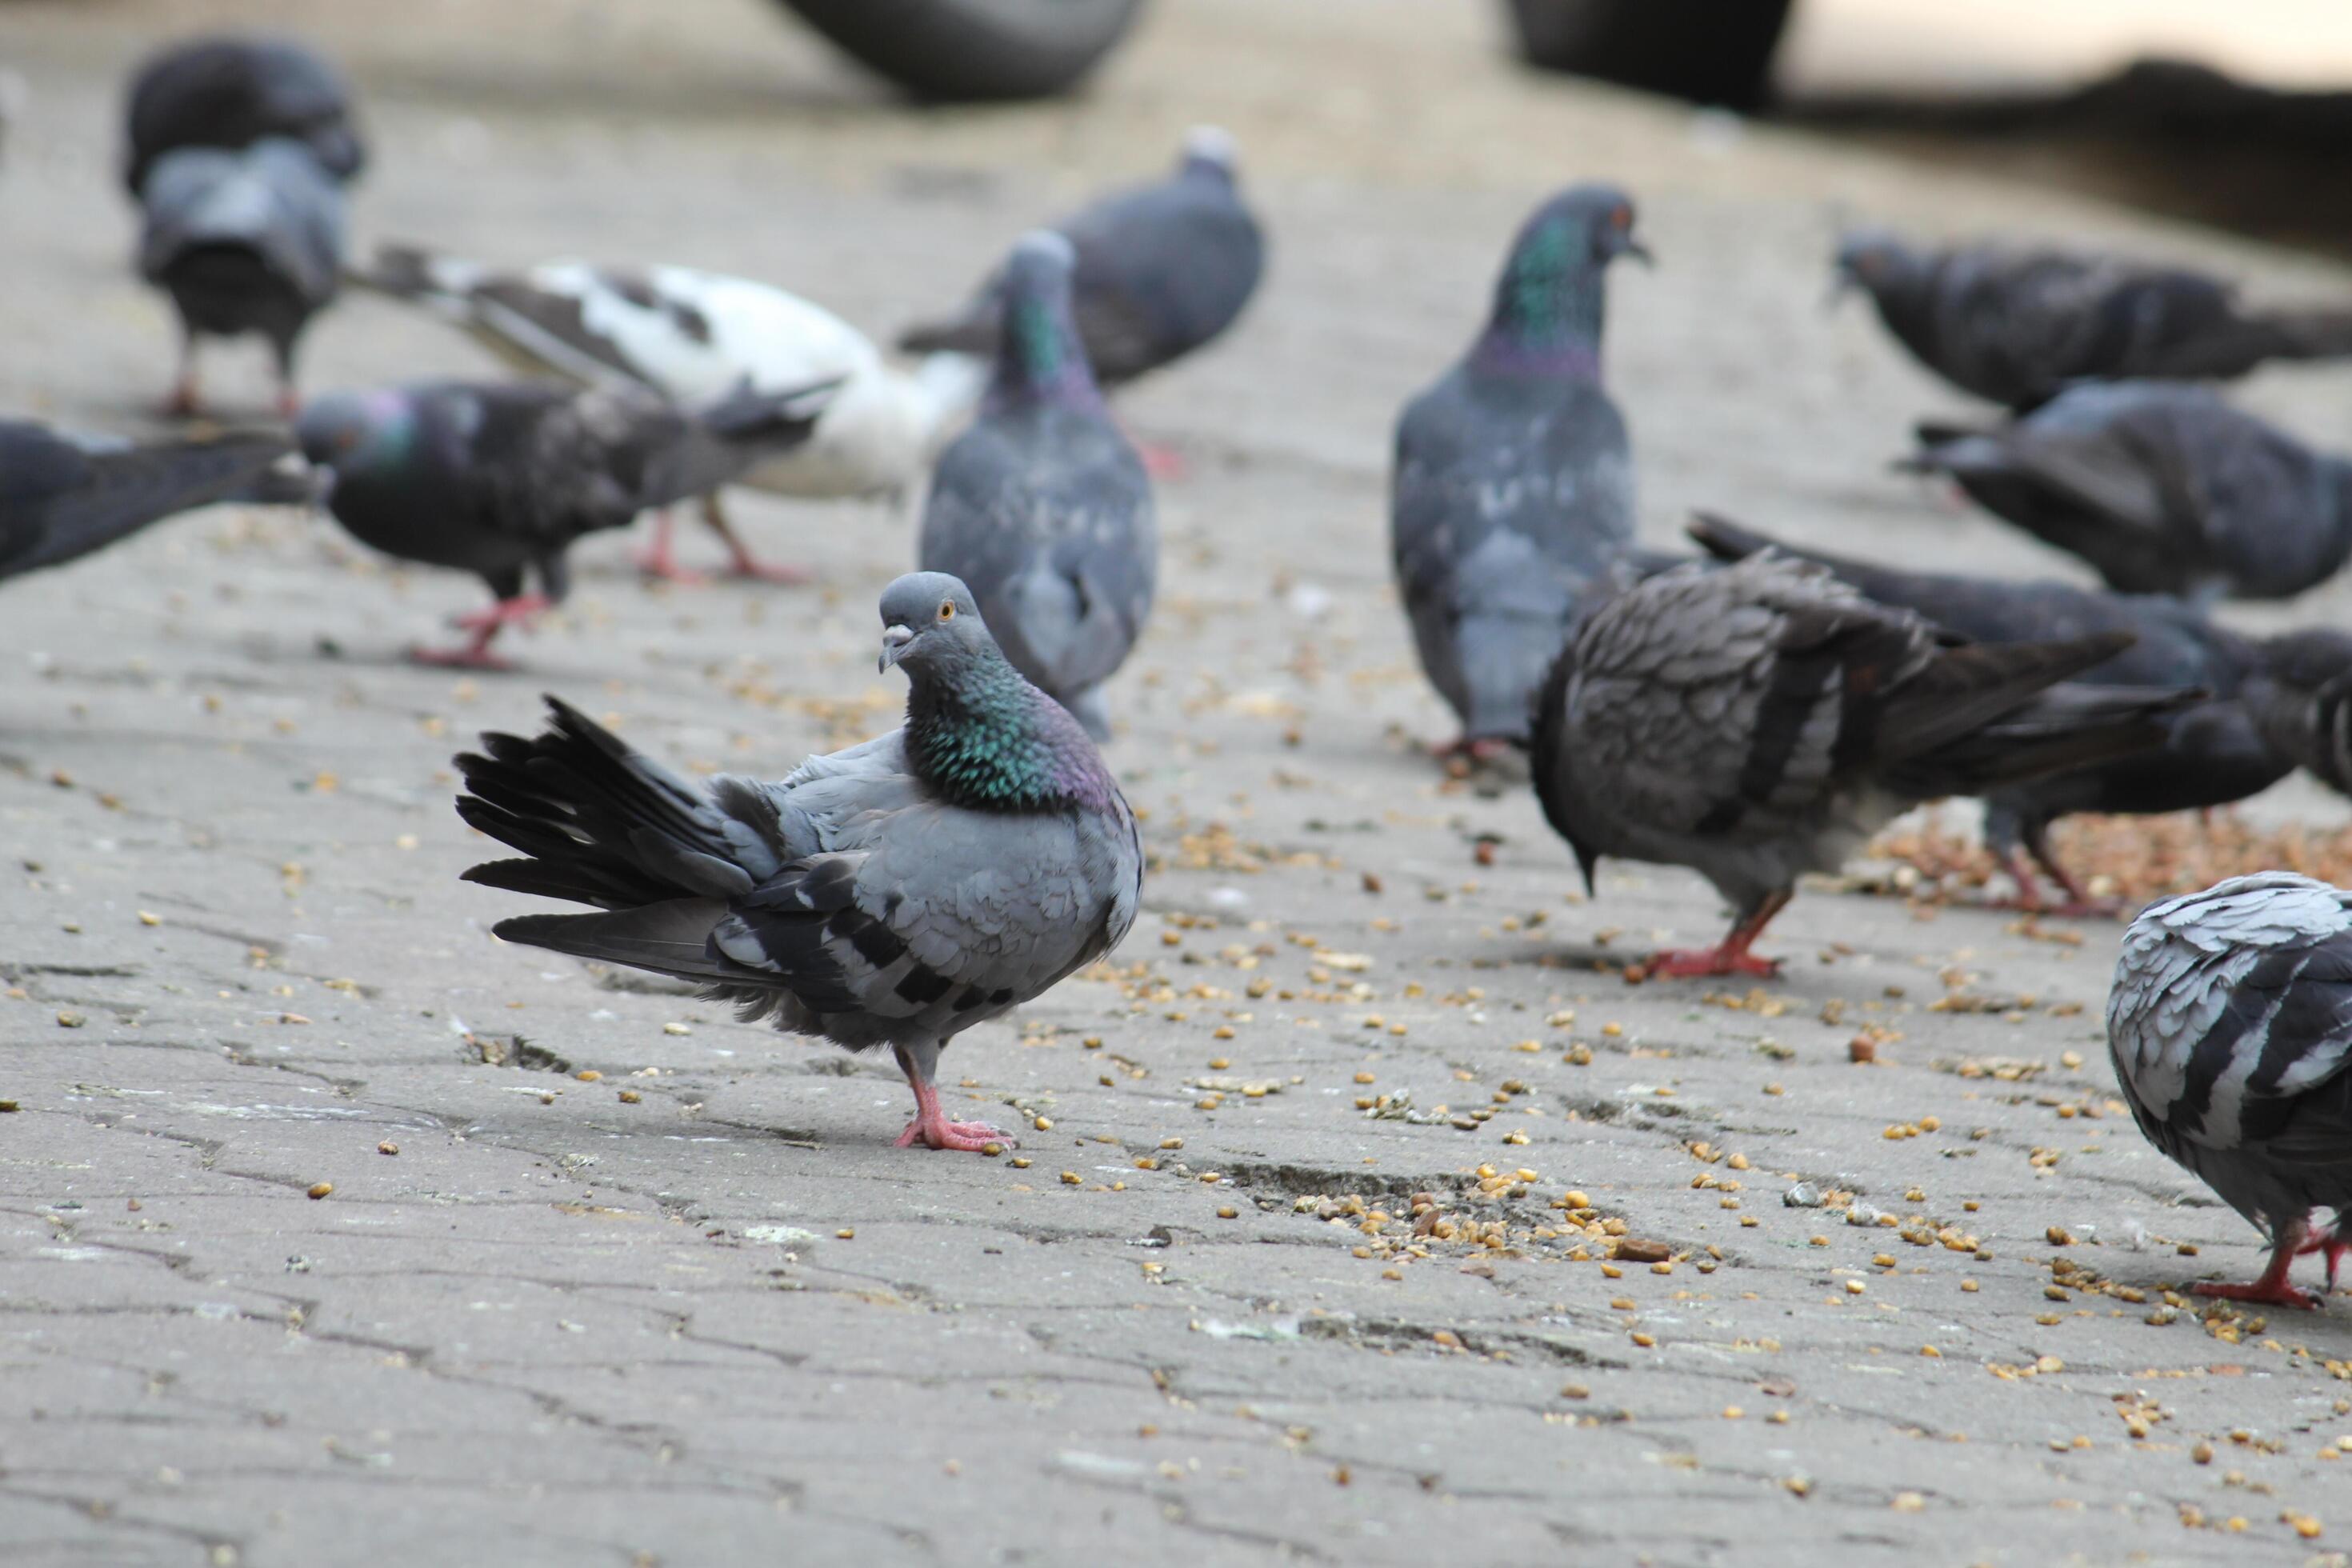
pixel 2302 697
pixel 245 241
pixel 499 479
pixel 229 92
pixel 1761 720
pixel 1042 506
pixel 2230 1027
pixel 893 894
pixel 63 497
pixel 2162 488
pixel 2018 327
pixel 1512 496
pixel 2214 751
pixel 694 336
pixel 1162 270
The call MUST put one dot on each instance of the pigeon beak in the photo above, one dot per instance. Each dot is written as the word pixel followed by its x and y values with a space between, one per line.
pixel 894 647
pixel 1586 862
pixel 1638 251
pixel 1842 283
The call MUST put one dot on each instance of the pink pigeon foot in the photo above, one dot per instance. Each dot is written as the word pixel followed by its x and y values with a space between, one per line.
pixel 2272 1289
pixel 1161 462
pixel 1729 956
pixel 932 1128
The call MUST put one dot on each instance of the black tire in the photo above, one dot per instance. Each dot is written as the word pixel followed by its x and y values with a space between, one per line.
pixel 961 51
pixel 1708 51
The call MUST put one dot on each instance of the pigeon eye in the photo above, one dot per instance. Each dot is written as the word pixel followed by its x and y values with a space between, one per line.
pixel 947 609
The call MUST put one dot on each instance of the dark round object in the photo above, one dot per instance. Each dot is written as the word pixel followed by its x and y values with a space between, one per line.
pixel 960 50
pixel 231 92
pixel 1708 51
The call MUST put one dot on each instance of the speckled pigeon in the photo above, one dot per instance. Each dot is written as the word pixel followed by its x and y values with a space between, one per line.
pixel 2215 750
pixel 1512 498
pixel 231 92
pixel 499 479
pixel 893 894
pixel 1763 719
pixel 2302 697
pixel 2230 1027
pixel 2162 488
pixel 62 497
pixel 2020 326
pixel 1042 506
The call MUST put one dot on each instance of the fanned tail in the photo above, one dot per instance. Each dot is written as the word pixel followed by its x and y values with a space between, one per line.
pixel 142 485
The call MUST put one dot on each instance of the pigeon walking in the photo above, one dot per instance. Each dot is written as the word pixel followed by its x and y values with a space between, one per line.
pixel 1042 506
pixel 893 894
pixel 499 479
pixel 1512 497
pixel 2161 489
pixel 1761 720
pixel 63 497
pixel 2230 1027
pixel 2020 326
pixel 230 92
pixel 694 336
pixel 2301 698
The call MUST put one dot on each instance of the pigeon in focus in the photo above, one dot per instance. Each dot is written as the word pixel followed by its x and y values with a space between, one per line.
pixel 2216 750
pixel 1163 270
pixel 2162 488
pixel 694 336
pixel 2230 1027
pixel 1512 497
pixel 62 497
pixel 1763 719
pixel 230 92
pixel 245 241
pixel 498 480
pixel 2301 698
pixel 893 894
pixel 1043 506
pixel 2020 326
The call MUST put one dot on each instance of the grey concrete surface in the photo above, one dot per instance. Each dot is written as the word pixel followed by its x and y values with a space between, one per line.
pixel 694 1309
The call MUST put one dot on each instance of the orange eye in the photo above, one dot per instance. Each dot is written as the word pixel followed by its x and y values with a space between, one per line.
pixel 947 609
pixel 1622 218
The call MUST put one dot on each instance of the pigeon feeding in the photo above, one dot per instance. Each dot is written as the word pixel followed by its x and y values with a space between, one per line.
pixel 231 92
pixel 499 479
pixel 893 894
pixel 2216 749
pixel 1043 506
pixel 1512 496
pixel 2161 489
pixel 696 336
pixel 2018 327
pixel 63 497
pixel 1764 720
pixel 2230 1027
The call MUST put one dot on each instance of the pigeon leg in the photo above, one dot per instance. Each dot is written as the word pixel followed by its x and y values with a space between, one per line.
pixel 931 1126
pixel 2273 1289
pixel 183 401
pixel 2077 904
pixel 1729 956
pixel 740 561
pixel 2334 1247
pixel 1481 749
pixel 659 560
pixel 289 404
pixel 1164 463
pixel 486 624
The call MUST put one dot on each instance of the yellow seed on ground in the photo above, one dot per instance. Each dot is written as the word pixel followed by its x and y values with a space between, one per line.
pixel 1020 1162
pixel 321 1189
pixel 1042 1123
pixel 588 1075
pixel 1227 1211
pixel 1221 1032
pixel 1733 1412
pixel 1855 1287
pixel 1070 1178
pixel 387 1147
pixel 1218 1064
pixel 630 1097
pixel 1645 1340
pixel 146 918
pixel 846 1233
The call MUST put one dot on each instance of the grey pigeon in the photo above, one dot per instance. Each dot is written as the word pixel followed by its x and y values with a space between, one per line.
pixel 893 894
pixel 2161 489
pixel 2301 698
pixel 1042 506
pixel 243 241
pixel 1761 720
pixel 231 92
pixel 1512 497
pixel 2020 326
pixel 499 479
pixel 2230 1027
pixel 1161 270
pixel 2215 750
pixel 63 497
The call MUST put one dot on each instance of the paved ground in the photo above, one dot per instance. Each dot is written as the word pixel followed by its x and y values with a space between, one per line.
pixel 695 1309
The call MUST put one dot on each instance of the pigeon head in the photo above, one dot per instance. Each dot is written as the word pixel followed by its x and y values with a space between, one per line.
pixel 1549 302
pixel 348 429
pixel 1210 150
pixel 1040 358
pixel 1873 259
pixel 932 626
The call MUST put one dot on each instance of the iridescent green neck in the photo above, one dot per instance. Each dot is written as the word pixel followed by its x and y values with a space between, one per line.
pixel 1039 358
pixel 1549 303
pixel 993 741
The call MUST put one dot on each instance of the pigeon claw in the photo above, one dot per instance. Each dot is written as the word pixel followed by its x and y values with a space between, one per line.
pixel 1696 962
pixel 938 1132
pixel 2265 1291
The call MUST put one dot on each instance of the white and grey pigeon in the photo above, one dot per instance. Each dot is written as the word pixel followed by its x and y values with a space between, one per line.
pixel 2161 488
pixel 893 894
pixel 1511 502
pixel 1042 506
pixel 2230 1029
pixel 693 336
pixel 1761 720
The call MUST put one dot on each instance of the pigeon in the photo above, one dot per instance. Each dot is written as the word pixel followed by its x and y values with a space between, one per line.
pixel 2230 1027
pixel 2162 488
pixel 1512 497
pixel 229 92
pixel 893 894
pixel 63 497
pixel 1763 719
pixel 243 241
pixel 692 336
pixel 2215 750
pixel 2302 697
pixel 2018 327
pixel 499 478
pixel 1161 270
pixel 1042 506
